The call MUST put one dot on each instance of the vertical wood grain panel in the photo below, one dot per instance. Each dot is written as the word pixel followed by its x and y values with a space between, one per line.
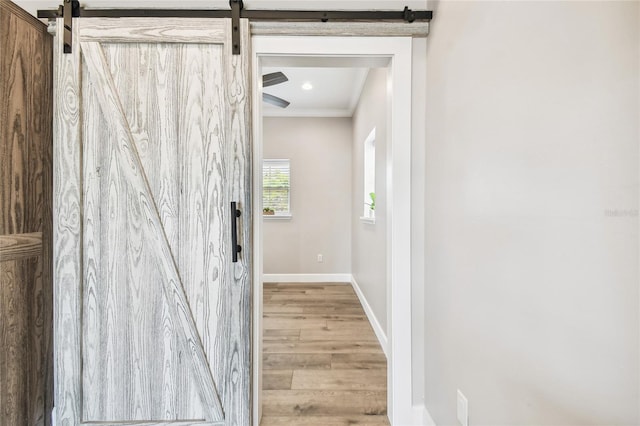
pixel 237 399
pixel 15 149
pixel 158 130
pixel 133 305
pixel 33 273
pixel 94 379
pixel 203 156
pixel 25 208
pixel 199 163
pixel 14 407
pixel 45 99
pixel 23 402
pixel 40 215
pixel 67 239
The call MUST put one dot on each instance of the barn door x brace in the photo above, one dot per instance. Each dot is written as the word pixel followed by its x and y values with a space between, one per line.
pixel 72 9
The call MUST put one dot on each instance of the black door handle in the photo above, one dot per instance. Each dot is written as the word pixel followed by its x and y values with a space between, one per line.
pixel 235 247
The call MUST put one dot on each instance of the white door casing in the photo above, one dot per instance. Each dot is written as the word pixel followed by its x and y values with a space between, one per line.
pixel 396 51
pixel 151 145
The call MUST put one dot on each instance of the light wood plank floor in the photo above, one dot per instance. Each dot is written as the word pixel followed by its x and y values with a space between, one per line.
pixel 322 363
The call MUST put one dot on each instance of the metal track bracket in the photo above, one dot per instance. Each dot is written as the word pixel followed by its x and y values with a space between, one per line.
pixel 236 8
pixel 70 9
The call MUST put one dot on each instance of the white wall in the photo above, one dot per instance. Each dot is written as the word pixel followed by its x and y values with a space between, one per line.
pixel 418 173
pixel 369 246
pixel 532 299
pixel 320 154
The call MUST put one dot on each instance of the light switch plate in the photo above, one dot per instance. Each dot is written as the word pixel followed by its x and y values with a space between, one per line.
pixel 463 409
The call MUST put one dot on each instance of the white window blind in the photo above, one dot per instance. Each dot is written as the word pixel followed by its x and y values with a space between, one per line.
pixel 276 186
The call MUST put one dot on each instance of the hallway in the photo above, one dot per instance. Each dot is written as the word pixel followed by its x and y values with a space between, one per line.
pixel 322 362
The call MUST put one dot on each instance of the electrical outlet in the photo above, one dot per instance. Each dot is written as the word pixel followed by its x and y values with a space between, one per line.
pixel 462 409
pixel 319 258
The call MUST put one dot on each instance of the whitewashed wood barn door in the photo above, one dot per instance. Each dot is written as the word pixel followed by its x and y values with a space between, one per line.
pixel 151 146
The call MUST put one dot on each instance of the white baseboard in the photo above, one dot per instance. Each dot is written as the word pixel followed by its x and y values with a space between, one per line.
pixel 427 420
pixel 421 416
pixel 306 278
pixel 381 334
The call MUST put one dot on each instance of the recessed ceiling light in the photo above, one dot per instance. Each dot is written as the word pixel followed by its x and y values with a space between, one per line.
pixel 307 86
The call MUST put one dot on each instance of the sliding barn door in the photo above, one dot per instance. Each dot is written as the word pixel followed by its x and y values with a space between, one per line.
pixel 151 147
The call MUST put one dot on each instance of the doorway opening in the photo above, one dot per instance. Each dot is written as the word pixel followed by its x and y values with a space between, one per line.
pixel 391 58
pixel 324 292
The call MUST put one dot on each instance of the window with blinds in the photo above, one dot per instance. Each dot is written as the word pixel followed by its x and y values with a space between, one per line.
pixel 276 187
pixel 370 176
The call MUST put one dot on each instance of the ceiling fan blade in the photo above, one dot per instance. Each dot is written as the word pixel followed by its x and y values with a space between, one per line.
pixel 274 100
pixel 273 78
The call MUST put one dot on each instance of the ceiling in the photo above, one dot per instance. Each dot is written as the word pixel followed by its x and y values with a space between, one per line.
pixel 335 91
pixel 33 5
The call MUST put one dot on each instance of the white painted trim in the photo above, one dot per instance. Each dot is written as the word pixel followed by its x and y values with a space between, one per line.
pixel 381 334
pixel 334 112
pixel 306 278
pixel 358 86
pixel 399 234
pixel 418 172
pixel 258 268
pixel 286 216
pixel 326 61
pixel 421 416
pixel 398 50
pixel 344 29
pixel 427 420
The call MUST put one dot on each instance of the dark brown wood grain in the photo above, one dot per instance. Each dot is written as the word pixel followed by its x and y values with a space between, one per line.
pixel 26 393
pixel 18 246
pixel 18 279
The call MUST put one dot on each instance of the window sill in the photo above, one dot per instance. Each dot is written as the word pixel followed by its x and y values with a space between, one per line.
pixel 369 220
pixel 283 216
